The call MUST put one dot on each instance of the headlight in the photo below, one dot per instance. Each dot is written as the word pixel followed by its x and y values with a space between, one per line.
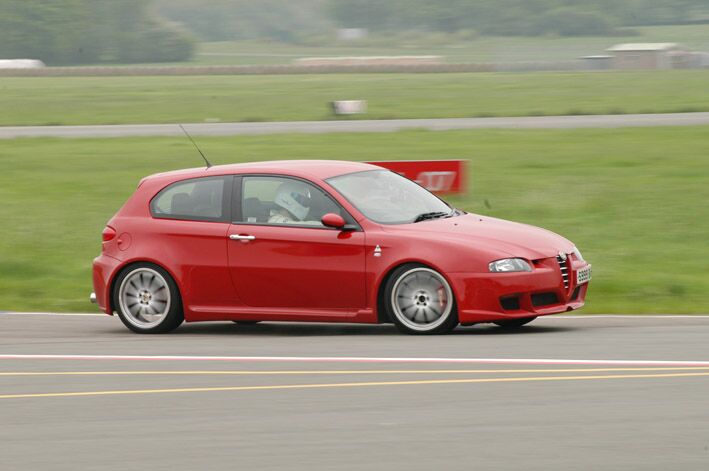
pixel 578 254
pixel 509 265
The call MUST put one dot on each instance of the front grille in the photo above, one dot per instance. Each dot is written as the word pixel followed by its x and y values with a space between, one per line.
pixel 543 299
pixel 563 265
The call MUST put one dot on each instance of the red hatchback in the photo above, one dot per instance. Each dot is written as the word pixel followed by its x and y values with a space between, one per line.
pixel 323 241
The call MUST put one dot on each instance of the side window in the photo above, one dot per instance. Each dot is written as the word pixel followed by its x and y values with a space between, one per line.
pixel 198 199
pixel 280 200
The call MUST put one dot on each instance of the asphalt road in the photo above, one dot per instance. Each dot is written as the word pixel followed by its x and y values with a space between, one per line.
pixel 561 394
pixel 317 127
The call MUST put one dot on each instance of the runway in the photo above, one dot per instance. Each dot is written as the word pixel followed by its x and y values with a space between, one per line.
pixel 81 391
pixel 341 126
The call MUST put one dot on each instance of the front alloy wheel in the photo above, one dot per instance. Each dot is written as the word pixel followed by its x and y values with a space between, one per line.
pixel 147 299
pixel 419 300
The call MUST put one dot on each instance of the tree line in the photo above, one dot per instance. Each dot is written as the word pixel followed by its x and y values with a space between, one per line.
pixel 514 17
pixel 229 20
pixel 132 31
pixel 62 32
pixel 291 20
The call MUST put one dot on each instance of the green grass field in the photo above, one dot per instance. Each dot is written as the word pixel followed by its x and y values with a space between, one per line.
pixel 633 200
pixel 120 100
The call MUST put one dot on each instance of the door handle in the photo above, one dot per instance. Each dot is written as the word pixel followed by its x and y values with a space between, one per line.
pixel 241 237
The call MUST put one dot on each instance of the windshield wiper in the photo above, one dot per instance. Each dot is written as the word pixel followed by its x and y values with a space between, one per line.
pixel 432 215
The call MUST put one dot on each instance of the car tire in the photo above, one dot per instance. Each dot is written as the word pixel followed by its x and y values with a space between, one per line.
pixel 515 323
pixel 420 301
pixel 147 299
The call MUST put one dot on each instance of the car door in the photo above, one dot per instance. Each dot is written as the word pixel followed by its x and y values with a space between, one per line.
pixel 300 263
pixel 189 234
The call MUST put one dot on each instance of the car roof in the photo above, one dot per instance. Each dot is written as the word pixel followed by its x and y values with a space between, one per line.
pixel 320 169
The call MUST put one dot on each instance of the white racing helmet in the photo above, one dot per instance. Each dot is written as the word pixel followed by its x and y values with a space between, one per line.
pixel 294 197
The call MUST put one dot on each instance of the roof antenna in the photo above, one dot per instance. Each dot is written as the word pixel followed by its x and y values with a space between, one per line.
pixel 195 145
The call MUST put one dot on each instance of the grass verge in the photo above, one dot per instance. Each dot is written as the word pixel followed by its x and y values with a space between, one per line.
pixel 167 99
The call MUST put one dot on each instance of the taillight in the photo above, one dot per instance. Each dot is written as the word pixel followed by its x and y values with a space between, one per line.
pixel 108 233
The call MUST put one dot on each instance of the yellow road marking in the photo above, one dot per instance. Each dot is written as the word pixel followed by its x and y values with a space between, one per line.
pixel 333 372
pixel 350 385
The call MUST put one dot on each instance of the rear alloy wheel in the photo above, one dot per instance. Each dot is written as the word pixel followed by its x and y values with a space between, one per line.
pixel 419 300
pixel 147 299
pixel 515 323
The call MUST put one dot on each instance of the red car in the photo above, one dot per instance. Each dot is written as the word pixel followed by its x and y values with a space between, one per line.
pixel 323 241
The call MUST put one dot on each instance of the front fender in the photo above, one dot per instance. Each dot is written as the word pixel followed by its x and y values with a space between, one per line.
pixel 442 255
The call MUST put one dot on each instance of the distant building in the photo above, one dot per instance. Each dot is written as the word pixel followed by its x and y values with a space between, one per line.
pixel 21 64
pixel 351 34
pixel 649 56
pixel 597 62
pixel 369 61
pixel 700 59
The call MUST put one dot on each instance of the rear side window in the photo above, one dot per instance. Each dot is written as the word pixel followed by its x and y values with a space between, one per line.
pixel 198 199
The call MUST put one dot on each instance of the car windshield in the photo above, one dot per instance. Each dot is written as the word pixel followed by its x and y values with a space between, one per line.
pixel 388 198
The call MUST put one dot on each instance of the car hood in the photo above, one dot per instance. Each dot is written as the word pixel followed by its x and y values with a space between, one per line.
pixel 491 235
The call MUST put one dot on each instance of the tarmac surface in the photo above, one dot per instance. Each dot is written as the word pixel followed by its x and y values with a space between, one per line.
pixel 565 392
pixel 390 125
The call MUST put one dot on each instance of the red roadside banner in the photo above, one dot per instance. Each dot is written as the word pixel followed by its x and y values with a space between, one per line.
pixel 438 176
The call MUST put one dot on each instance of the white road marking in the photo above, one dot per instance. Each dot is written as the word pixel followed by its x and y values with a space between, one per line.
pixel 541 318
pixel 547 317
pixel 627 316
pixel 295 359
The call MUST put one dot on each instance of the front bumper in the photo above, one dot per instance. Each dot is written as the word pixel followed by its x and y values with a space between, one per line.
pixel 489 297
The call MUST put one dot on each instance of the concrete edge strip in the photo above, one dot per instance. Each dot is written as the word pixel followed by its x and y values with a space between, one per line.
pixel 390 125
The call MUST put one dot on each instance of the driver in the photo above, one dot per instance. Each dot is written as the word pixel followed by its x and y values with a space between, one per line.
pixel 293 204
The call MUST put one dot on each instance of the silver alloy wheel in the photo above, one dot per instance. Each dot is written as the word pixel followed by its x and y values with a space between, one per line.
pixel 144 297
pixel 422 299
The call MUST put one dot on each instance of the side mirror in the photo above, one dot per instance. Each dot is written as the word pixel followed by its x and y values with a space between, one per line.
pixel 333 220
